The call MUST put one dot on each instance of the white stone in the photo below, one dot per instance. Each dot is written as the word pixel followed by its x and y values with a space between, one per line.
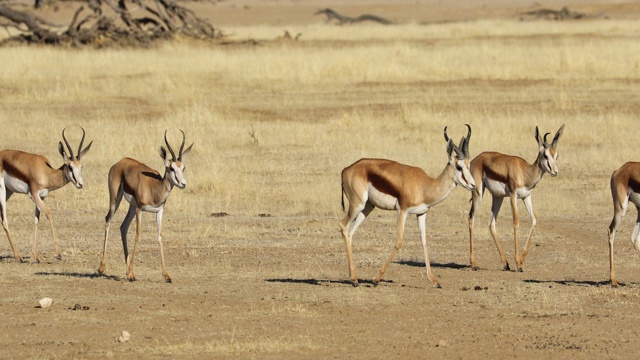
pixel 45 302
pixel 124 337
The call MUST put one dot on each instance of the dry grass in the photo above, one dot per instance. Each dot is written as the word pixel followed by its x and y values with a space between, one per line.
pixel 273 126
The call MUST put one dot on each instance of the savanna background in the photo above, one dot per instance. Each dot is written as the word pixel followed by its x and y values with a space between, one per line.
pixel 253 245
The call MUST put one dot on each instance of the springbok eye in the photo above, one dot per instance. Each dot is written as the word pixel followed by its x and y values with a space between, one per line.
pixel 171 169
pixel 458 167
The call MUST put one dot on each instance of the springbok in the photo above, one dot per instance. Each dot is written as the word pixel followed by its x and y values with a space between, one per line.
pixel 145 190
pixel 625 187
pixel 511 176
pixel 388 185
pixel 31 174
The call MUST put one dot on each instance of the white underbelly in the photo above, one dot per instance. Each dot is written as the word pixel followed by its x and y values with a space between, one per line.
pixel 500 189
pixel 382 200
pixel 496 188
pixel 152 208
pixel 148 208
pixel 634 197
pixel 15 185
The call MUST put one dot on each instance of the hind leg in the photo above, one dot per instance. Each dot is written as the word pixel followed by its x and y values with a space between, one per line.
pixel 352 220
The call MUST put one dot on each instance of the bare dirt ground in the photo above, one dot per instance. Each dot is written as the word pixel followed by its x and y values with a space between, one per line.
pixel 277 288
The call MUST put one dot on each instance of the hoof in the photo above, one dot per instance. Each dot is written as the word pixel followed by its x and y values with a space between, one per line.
pixel 437 286
pixel 131 279
pixel 59 257
pixel 474 268
pixel 375 283
pixel 520 270
pixel 355 284
pixel 168 280
pixel 506 267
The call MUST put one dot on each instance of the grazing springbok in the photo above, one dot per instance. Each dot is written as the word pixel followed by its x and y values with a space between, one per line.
pixel 31 174
pixel 511 176
pixel 145 190
pixel 388 185
pixel 625 187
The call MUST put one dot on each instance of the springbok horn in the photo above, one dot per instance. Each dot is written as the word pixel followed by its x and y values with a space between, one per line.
pixel 446 137
pixel 67 142
pixel 81 142
pixel 173 155
pixel 181 146
pixel 465 148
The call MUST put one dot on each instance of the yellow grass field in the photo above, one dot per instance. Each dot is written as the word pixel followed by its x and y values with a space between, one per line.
pixel 253 244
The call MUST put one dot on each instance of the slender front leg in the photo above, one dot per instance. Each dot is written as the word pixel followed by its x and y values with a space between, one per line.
pixel 35 235
pixel 476 200
pixel 40 204
pixel 130 274
pixel 516 223
pixel 495 209
pixel 4 196
pixel 402 216
pixel 534 221
pixel 422 226
pixel 167 278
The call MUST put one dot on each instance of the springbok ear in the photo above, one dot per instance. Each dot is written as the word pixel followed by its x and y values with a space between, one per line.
pixel 554 143
pixel 539 140
pixel 186 152
pixel 85 151
pixel 452 151
pixel 165 156
pixel 62 152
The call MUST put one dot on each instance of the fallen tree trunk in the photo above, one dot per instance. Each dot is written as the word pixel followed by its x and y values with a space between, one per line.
pixel 107 24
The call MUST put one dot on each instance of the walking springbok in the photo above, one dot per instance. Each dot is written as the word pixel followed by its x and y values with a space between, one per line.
pixel 31 174
pixel 388 185
pixel 511 176
pixel 625 187
pixel 145 190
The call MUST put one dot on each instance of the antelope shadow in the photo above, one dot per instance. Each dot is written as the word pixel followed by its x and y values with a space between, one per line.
pixel 571 282
pixel 87 275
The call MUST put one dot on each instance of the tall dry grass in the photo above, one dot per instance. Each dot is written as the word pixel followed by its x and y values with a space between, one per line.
pixel 273 125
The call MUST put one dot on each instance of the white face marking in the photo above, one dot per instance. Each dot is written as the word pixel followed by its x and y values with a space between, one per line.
pixel 74 173
pixel 463 175
pixel 176 175
pixel 549 163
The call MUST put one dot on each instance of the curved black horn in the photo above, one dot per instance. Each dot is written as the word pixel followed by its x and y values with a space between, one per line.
pixel 169 146
pixel 181 146
pixel 546 144
pixel 465 148
pixel 81 142
pixel 67 142
pixel 446 137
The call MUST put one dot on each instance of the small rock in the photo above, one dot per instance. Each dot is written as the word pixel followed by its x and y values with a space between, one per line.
pixel 124 337
pixel 45 302
pixel 442 343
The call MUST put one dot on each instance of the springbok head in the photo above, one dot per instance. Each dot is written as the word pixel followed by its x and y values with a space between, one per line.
pixel 548 154
pixel 459 159
pixel 174 166
pixel 73 165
